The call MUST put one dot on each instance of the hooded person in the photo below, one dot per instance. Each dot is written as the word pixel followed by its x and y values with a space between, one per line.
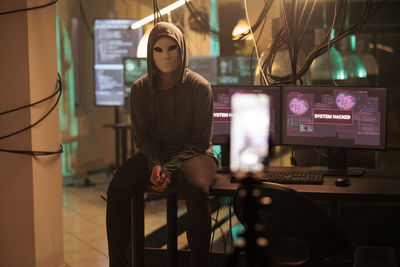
pixel 171 113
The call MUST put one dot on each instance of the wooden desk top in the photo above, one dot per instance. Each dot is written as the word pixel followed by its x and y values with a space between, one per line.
pixel 375 185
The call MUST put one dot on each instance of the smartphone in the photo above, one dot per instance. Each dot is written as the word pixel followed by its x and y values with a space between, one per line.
pixel 249 132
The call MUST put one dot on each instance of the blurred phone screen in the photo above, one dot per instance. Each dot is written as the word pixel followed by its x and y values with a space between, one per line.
pixel 249 132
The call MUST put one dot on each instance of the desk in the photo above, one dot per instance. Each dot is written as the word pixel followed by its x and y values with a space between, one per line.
pixel 375 185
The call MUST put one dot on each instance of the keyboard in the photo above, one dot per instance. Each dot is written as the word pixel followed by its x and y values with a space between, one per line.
pixel 292 176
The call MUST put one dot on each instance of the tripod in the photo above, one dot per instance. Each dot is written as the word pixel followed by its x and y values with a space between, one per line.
pixel 254 240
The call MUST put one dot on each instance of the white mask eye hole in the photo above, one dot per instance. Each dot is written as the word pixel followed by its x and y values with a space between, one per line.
pixel 172 47
pixel 158 49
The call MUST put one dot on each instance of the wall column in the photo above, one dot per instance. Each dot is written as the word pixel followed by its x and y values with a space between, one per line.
pixel 31 187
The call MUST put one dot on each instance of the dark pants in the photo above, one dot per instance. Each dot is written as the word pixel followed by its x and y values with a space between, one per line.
pixel 194 179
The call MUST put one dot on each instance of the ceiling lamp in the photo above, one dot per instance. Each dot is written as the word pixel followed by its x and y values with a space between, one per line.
pixel 163 11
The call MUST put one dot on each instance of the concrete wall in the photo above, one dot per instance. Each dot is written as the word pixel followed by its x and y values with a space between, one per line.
pixel 30 195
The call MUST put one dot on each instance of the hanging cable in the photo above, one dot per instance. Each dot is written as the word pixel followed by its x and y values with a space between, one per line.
pixel 36 152
pixel 29 105
pixel 59 90
pixel 329 46
pixel 254 40
pixel 253 50
pixel 294 24
pixel 201 21
pixel 156 12
pixel 27 9
pixel 260 19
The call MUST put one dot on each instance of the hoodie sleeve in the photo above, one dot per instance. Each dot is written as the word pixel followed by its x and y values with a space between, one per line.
pixel 141 129
pixel 200 137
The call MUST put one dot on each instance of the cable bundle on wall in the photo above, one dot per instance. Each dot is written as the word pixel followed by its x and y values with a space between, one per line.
pixel 293 31
pixel 261 19
pixel 157 14
pixel 30 152
pixel 202 21
pixel 58 91
pixel 28 8
pixel 204 24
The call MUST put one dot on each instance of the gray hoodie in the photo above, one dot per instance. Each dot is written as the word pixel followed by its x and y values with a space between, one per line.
pixel 173 125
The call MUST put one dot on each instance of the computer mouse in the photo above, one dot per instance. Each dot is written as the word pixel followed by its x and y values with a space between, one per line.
pixel 342 181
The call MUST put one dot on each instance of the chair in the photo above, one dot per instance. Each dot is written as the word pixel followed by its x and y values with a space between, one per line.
pixel 137 213
pixel 298 232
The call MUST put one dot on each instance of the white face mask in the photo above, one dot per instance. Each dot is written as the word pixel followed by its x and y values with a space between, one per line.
pixel 166 54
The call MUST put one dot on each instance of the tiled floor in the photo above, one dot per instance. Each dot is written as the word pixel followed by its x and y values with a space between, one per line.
pixel 85 239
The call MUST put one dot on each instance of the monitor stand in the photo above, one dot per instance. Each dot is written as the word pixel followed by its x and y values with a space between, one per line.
pixel 337 164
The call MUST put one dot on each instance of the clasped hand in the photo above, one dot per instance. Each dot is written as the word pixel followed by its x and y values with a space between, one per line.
pixel 159 180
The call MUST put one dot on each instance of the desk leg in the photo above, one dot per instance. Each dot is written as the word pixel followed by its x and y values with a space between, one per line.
pixel 172 241
pixel 137 219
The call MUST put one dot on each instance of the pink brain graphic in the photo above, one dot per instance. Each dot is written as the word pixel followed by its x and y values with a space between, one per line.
pixel 345 101
pixel 298 106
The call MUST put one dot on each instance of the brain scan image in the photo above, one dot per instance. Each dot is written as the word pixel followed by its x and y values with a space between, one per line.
pixel 298 106
pixel 345 101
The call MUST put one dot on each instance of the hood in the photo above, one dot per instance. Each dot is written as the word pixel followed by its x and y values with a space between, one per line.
pixel 170 30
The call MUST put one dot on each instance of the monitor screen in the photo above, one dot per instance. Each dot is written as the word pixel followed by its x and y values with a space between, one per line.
pixel 134 68
pixel 236 69
pixel 342 117
pixel 205 66
pixel 222 111
pixel 113 41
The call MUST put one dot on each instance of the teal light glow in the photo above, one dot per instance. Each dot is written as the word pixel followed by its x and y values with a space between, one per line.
pixel 330 65
pixel 362 72
pixel 74 131
pixel 214 44
pixel 217 152
pixel 63 118
pixel 341 75
pixel 58 45
pixel 70 83
pixel 353 42
pixel 236 230
pixel 64 162
pixel 352 63
pixel 68 120
pixel 67 158
pixel 130 66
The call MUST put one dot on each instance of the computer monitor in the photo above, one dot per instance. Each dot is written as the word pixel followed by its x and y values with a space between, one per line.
pixel 134 68
pixel 222 114
pixel 337 118
pixel 236 69
pixel 205 66
pixel 113 41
